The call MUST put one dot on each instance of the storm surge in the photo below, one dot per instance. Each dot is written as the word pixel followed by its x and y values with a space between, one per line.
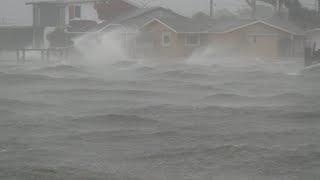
pixel 102 115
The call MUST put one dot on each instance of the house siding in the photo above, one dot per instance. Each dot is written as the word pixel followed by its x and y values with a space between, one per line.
pixel 108 11
pixel 257 40
pixel 12 38
pixel 177 48
pixel 156 29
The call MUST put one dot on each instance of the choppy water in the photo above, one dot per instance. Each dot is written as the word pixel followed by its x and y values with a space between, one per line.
pixel 175 121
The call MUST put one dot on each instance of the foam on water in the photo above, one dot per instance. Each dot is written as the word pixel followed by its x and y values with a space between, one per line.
pixel 103 116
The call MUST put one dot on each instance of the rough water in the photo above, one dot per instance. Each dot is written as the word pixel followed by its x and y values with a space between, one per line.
pixel 222 119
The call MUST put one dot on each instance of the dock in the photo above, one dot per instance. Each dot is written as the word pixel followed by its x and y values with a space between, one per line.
pixel 45 53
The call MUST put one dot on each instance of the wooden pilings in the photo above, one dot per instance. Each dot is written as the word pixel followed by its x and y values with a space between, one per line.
pixel 308 59
pixel 45 54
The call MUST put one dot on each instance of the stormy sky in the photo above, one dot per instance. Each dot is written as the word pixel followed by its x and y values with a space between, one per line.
pixel 16 12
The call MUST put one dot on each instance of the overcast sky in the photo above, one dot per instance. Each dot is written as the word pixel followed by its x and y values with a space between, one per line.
pixel 15 11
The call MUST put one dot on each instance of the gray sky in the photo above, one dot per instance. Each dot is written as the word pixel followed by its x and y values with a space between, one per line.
pixel 15 11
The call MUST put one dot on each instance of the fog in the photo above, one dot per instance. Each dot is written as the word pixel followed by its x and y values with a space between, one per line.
pixel 160 98
pixel 22 14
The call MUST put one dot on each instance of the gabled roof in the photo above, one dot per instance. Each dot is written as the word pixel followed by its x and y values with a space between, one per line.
pixel 314 30
pixel 139 17
pixel 180 24
pixel 285 25
pixel 227 26
pixel 224 26
pixel 66 2
pixel 59 1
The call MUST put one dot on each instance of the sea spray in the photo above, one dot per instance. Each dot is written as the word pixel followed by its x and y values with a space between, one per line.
pixel 100 49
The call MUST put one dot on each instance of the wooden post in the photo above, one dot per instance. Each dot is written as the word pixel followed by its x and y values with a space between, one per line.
pixel 18 55
pixel 254 8
pixel 42 55
pixel 211 8
pixel 318 10
pixel 61 53
pixel 307 56
pixel 24 55
pixel 48 54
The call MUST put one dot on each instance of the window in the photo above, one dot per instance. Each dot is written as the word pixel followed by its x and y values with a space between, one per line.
pixel 77 11
pixel 74 11
pixel 166 39
pixel 192 40
pixel 254 39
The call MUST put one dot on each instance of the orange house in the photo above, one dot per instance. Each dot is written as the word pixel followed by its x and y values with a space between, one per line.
pixel 161 33
pixel 259 38
pixel 158 32
pixel 180 36
pixel 170 37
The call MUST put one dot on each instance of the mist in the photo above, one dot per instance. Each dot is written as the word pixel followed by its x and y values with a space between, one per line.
pixel 165 92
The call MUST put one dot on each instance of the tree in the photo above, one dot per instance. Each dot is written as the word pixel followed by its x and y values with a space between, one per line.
pixel 302 16
pixel 274 3
pixel 224 14
pixel 147 3
pixel 59 38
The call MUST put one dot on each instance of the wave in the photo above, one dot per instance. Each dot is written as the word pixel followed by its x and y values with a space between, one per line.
pixel 284 97
pixel 116 119
pixel 182 74
pixel 226 97
pixel 124 63
pixel 12 103
pixel 289 95
pixel 224 152
pixel 24 78
pixel 57 173
pixel 290 162
pixel 61 68
pixel 122 92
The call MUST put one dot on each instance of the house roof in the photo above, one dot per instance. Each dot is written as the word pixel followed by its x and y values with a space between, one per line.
pixel 73 2
pixel 314 30
pixel 59 1
pixel 181 24
pixel 285 25
pixel 139 17
pixel 226 26
pixel 222 26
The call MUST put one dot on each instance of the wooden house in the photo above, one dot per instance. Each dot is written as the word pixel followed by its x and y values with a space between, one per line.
pixel 272 37
pixel 160 32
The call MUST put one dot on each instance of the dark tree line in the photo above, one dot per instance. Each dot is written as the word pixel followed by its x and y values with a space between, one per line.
pixel 302 16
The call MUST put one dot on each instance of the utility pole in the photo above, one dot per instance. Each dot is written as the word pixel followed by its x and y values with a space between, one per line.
pixel 254 8
pixel 315 7
pixel 318 8
pixel 211 8
pixel 279 6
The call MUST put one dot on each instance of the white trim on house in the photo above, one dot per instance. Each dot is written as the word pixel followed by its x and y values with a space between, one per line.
pixel 172 29
pixel 159 21
pixel 188 44
pixel 75 2
pixel 256 22
pixel 312 30
pixel 263 35
pixel 163 36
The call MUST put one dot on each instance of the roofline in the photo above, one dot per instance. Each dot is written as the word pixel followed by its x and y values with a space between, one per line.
pixel 61 2
pixel 158 20
pixel 105 27
pixel 15 27
pixel 312 30
pixel 148 10
pixel 255 22
pixel 171 28
pixel 133 3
